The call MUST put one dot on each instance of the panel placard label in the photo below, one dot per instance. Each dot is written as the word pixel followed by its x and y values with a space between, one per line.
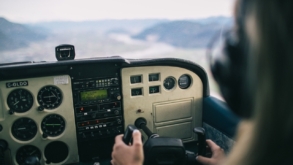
pixel 60 80
pixel 16 84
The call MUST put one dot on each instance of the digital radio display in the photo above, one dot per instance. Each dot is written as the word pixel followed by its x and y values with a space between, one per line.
pixel 93 95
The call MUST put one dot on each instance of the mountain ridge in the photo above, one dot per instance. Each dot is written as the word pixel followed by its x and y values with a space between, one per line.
pixel 183 34
pixel 15 35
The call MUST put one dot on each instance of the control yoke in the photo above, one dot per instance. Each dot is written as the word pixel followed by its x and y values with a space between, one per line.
pixel 164 150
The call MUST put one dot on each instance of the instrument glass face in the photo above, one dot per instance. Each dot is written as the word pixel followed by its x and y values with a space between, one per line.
pixel 50 97
pixel 184 81
pixel 27 151
pixel 20 100
pixel 53 125
pixel 24 129
pixel 169 83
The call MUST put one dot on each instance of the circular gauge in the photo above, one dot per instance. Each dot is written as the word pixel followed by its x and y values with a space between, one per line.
pixel 20 100
pixel 27 151
pixel 56 152
pixel 49 97
pixel 184 81
pixel 24 129
pixel 53 125
pixel 169 83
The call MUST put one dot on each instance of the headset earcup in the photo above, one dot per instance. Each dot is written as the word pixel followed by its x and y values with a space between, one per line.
pixel 229 70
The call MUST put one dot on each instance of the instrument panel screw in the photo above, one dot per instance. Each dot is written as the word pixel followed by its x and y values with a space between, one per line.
pixel 11 112
pixel 44 135
pixel 40 108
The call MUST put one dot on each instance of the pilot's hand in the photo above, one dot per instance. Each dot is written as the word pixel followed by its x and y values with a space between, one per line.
pixel 128 154
pixel 218 155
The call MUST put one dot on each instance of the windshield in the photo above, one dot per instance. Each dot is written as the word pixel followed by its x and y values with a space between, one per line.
pixel 31 29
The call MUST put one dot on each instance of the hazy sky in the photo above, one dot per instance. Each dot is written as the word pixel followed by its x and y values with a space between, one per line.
pixel 80 10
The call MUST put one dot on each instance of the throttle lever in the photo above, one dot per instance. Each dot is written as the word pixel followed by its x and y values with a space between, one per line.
pixel 202 150
pixel 127 138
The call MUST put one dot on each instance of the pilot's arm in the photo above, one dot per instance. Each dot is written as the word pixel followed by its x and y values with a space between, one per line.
pixel 128 154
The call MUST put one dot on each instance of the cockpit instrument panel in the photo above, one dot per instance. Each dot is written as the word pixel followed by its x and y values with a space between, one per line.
pixel 67 112
pixel 30 131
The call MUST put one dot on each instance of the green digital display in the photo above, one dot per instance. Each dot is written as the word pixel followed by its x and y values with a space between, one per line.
pixel 93 95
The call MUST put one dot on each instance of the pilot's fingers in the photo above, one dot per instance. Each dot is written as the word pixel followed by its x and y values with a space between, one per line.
pixel 118 139
pixel 204 160
pixel 136 136
pixel 137 146
pixel 214 147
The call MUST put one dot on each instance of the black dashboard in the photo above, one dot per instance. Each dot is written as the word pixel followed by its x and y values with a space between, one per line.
pixel 67 112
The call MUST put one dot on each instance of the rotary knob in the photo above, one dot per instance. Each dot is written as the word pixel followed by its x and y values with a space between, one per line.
pixel 114 81
pixel 119 121
pixel 116 112
pixel 117 96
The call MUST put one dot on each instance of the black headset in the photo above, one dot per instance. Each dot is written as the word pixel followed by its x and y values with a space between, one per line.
pixel 229 65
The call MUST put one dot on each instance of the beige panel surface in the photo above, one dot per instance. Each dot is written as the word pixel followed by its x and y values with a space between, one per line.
pixel 176 130
pixel 65 110
pixel 176 96
pixel 168 111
